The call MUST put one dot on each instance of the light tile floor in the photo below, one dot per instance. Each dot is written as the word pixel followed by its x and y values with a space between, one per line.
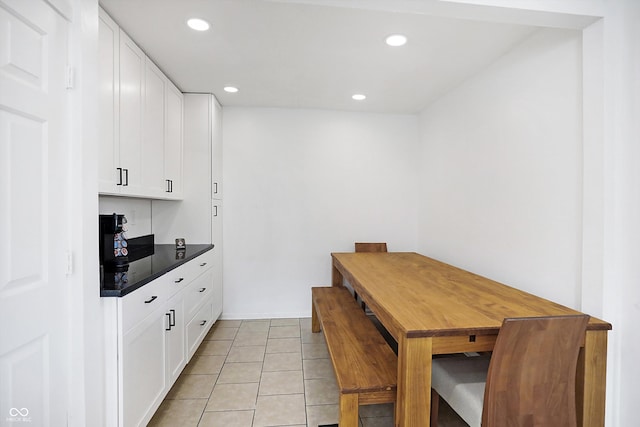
pixel 264 373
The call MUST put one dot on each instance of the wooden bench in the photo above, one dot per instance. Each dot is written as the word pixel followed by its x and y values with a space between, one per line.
pixel 366 368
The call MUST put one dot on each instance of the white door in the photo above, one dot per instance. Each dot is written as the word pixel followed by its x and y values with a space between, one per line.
pixel 33 232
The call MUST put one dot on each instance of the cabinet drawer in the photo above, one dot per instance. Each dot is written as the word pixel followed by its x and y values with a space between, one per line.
pixel 177 279
pixel 199 265
pixel 198 327
pixel 197 292
pixel 137 305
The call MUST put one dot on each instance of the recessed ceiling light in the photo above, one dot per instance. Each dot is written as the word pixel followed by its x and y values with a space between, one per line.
pixel 230 89
pixel 359 97
pixel 198 24
pixel 396 40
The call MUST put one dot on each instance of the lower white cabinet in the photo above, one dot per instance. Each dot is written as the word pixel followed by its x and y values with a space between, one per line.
pixel 160 326
pixel 144 378
pixel 198 326
pixel 175 346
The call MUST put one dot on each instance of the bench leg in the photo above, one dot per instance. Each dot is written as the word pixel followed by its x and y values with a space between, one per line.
pixel 315 322
pixel 349 410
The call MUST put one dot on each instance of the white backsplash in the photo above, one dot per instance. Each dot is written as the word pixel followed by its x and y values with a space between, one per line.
pixel 137 212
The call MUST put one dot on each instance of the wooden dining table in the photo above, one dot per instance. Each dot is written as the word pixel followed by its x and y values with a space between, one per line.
pixel 432 308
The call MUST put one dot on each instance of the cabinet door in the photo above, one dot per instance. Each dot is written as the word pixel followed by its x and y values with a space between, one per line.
pixel 132 70
pixel 198 327
pixel 143 369
pixel 176 345
pixel 216 154
pixel 217 284
pixel 152 155
pixel 173 141
pixel 216 239
pixel 197 292
pixel 216 224
pixel 108 104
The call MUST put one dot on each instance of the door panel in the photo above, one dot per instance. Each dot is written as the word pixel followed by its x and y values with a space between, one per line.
pixel 33 223
pixel 152 168
pixel 108 104
pixel 131 106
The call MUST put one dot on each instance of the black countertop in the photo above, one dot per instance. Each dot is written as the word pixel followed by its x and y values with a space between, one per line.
pixel 142 271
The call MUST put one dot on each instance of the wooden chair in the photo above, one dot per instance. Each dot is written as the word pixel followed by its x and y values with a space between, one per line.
pixel 529 380
pixel 375 247
pixel 368 247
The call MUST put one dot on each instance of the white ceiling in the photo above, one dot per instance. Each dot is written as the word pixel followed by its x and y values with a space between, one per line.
pixel 305 55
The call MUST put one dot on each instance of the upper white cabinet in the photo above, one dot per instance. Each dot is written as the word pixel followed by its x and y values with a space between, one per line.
pixel 132 78
pixel 140 121
pixel 153 135
pixel 202 133
pixel 108 103
pixel 173 145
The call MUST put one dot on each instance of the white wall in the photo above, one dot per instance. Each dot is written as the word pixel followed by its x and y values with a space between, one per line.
pixel 300 184
pixel 137 212
pixel 501 180
pixel 622 208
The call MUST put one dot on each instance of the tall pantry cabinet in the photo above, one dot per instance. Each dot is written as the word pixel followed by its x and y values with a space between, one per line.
pixel 216 185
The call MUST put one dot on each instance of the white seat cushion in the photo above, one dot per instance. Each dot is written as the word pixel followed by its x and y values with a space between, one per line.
pixel 460 381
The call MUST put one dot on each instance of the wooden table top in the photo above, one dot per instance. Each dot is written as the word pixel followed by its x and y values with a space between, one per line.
pixel 419 296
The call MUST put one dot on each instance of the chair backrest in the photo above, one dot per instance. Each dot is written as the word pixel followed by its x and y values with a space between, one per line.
pixel 371 247
pixel 531 378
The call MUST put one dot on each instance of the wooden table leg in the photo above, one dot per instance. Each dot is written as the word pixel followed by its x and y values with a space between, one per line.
pixel 336 277
pixel 591 380
pixel 315 321
pixel 413 406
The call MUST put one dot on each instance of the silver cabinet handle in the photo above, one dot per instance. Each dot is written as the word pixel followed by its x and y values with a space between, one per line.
pixel 202 289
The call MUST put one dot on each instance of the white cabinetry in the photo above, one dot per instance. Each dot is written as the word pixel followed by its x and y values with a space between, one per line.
pixel 202 204
pixel 132 66
pixel 153 135
pixel 121 79
pixel 216 239
pixel 202 132
pixel 140 121
pixel 162 137
pixel 108 102
pixel 216 150
pixel 159 328
pixel 173 145
pixel 175 332
pixel 141 353
pixel 143 377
